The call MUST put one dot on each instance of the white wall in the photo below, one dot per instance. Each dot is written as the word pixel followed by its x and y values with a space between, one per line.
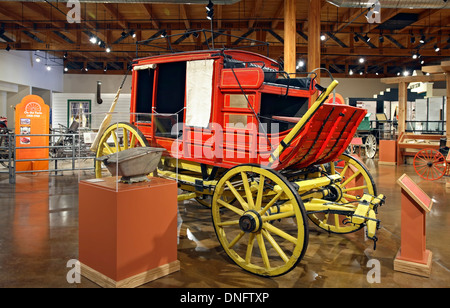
pixel 19 67
pixel 357 87
pixel 86 83
pixel 98 111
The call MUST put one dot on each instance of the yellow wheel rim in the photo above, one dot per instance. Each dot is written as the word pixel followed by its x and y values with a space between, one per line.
pixel 356 182
pixel 263 230
pixel 118 137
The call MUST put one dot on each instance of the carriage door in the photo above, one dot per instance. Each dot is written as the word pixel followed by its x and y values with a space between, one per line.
pixel 197 130
pixel 240 128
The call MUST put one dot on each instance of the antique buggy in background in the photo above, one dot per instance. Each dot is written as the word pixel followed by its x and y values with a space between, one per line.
pixel 251 144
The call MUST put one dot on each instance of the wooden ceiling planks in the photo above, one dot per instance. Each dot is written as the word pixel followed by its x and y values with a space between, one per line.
pixel 23 22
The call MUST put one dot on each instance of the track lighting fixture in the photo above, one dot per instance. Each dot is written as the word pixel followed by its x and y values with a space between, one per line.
pixel 366 38
pixel 356 38
pixel 422 39
pixel 436 48
pixel 164 33
pixel 133 34
pixel 210 10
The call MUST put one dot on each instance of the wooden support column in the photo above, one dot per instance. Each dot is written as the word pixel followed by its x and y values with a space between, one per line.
pixel 314 40
pixel 402 99
pixel 290 25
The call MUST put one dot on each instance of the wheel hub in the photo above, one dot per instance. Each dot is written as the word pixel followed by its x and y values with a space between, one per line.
pixel 250 222
pixel 334 193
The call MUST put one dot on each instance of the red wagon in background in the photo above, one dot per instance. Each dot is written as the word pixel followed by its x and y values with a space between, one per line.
pixel 248 141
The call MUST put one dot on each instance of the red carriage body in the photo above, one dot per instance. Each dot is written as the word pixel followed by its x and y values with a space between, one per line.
pixel 248 97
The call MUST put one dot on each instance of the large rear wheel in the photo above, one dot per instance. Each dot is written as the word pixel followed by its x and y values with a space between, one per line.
pixel 263 229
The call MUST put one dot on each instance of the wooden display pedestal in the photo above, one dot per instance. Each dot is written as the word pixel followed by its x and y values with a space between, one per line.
pixel 127 232
pixel 413 257
pixel 387 152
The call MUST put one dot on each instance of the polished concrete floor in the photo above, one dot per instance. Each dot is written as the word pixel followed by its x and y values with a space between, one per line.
pixel 39 235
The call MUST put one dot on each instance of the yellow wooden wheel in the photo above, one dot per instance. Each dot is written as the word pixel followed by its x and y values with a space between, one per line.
pixel 118 137
pixel 263 229
pixel 356 181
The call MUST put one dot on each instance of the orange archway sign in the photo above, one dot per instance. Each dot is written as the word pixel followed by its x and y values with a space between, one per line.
pixel 32 118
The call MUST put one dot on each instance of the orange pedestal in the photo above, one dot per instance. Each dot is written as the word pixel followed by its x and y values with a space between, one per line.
pixel 127 232
pixel 413 257
pixel 387 152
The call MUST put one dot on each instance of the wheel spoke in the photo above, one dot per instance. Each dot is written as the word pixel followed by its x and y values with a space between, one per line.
pixel 275 245
pixel 272 202
pixel 237 195
pixel 230 207
pixel 248 192
pixel 271 228
pixel 236 239
pixel 248 253
pixel 354 175
pixel 262 249
pixel 260 192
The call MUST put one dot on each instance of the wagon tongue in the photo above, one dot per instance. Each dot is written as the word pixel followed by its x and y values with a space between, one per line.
pixel 366 213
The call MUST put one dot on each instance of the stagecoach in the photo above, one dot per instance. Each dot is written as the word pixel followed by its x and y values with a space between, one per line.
pixel 249 142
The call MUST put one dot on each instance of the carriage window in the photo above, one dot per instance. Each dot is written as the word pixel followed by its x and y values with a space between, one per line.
pixel 144 95
pixel 280 105
pixel 170 95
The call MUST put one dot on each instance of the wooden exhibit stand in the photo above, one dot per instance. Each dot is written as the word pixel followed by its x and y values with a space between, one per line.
pixel 127 232
pixel 413 257
pixel 387 152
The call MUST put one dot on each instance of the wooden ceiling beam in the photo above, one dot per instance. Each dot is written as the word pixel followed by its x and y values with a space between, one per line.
pixel 153 19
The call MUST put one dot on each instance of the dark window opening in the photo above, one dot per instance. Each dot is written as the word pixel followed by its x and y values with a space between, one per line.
pixel 170 97
pixel 144 94
pixel 280 105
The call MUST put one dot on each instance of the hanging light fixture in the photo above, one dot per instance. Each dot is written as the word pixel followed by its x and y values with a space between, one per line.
pixel 210 10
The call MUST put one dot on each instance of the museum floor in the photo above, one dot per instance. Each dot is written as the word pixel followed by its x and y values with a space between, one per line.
pixel 39 234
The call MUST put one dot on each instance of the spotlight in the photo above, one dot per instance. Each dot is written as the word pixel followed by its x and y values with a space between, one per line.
pixel 124 34
pixel 65 55
pixel 436 48
pixel 210 14
pixel 422 62
pixel 48 68
pixel 405 73
pixel 323 37
pixel 108 49
pixel 210 6
pixel 164 33
pixel 356 38
pixel 366 38
pixel 66 69
pixel 195 34
pixel 381 38
pixel 413 39
pixel 93 40
pixel 361 60
pixel 133 34
pixel 414 56
pixel 350 72
pixel 422 39
pixel 8 48
pixel 105 69
pixel 38 59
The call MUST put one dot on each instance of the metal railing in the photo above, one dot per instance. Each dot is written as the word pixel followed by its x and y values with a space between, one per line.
pixel 74 151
